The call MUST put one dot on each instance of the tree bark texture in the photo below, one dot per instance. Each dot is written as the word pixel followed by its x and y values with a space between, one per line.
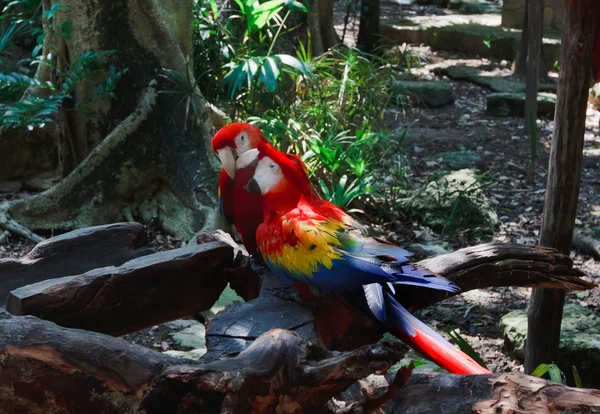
pixel 144 155
pixel 560 209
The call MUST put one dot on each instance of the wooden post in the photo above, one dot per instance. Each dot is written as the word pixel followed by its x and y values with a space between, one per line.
pixel 545 307
pixel 534 28
pixel 369 28
pixel 520 62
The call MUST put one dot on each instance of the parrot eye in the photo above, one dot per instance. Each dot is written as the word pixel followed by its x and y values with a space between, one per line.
pixel 243 138
pixel 272 166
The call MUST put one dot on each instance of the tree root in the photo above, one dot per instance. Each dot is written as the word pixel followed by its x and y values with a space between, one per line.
pixel 128 170
pixel 10 225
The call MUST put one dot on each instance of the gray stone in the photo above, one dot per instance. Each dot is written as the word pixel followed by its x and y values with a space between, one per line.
pixel 513 12
pixel 579 340
pixel 456 159
pixel 194 354
pixel 492 80
pixel 191 337
pixel 455 202
pixel 429 249
pixel 513 104
pixel 431 94
pixel 479 34
pixel 227 298
pixel 474 6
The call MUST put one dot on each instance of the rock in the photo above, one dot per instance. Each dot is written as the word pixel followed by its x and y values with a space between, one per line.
pixel 479 34
pixel 455 202
pixel 191 337
pixel 474 6
pixel 433 94
pixel 193 354
pixel 456 159
pixel 429 249
pixel 492 80
pixel 513 104
pixel 579 340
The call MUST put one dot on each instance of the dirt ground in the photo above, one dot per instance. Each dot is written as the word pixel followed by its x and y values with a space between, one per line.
pixel 505 151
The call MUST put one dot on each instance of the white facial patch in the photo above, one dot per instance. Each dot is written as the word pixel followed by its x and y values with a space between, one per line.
pixel 246 158
pixel 267 174
pixel 242 143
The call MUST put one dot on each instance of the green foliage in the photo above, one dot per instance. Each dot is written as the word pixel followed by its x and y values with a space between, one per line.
pixel 186 87
pixel 40 106
pixel 464 346
pixel 259 15
pixel 37 110
pixel 343 194
pixel 326 109
pixel 268 69
pixel 249 73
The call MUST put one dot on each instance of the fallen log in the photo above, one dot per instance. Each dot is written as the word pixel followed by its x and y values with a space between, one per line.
pixel 74 253
pixel 140 293
pixel 335 326
pixel 497 264
pixel 124 299
pixel 45 368
pixel 484 394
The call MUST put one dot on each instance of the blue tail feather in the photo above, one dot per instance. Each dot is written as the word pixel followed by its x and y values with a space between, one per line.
pixel 406 323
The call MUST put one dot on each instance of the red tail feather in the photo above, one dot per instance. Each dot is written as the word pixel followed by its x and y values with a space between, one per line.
pixel 451 359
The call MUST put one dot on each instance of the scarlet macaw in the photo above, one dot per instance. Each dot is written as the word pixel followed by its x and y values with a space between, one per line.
pixel 241 208
pixel 304 238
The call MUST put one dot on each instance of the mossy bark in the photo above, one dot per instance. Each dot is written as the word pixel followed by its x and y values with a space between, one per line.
pixel 142 155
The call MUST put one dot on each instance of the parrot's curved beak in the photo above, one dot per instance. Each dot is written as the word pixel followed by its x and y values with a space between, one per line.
pixel 227 157
pixel 252 186
pixel 247 159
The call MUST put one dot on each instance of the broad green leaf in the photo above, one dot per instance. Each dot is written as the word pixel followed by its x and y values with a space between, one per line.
pixel 464 346
pixel 294 63
pixel 577 378
pixel 553 371
pixel 269 73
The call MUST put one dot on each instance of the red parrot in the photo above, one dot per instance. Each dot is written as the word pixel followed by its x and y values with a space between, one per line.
pixel 240 207
pixel 304 238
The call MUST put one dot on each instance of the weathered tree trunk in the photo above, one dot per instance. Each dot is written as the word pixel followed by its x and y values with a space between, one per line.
pixel 141 156
pixel 320 26
pixel 560 208
pixel 534 28
pixel 368 30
